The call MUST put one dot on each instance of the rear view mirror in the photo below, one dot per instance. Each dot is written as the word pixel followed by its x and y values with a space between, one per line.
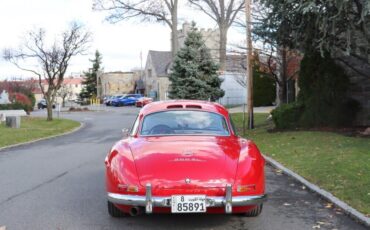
pixel 125 132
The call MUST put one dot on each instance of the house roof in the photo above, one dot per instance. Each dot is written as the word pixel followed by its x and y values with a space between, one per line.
pixel 235 63
pixel 67 81
pixel 72 81
pixel 161 61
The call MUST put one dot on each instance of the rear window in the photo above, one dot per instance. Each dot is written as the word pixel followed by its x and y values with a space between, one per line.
pixel 184 123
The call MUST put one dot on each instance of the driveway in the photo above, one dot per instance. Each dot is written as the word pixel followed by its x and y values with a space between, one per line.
pixel 59 184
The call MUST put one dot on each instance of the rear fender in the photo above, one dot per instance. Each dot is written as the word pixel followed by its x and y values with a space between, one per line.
pixel 250 174
pixel 121 170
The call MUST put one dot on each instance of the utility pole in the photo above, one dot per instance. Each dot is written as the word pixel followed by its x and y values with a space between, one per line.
pixel 249 64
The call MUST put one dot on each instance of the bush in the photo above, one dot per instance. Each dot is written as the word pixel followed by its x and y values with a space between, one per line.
pixel 20 101
pixel 287 116
pixel 264 92
pixel 324 92
pixel 15 106
pixel 32 97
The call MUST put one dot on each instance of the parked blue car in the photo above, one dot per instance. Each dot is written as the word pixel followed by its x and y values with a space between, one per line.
pixel 114 100
pixel 129 99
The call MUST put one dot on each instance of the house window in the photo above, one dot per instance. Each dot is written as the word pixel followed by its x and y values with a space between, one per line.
pixel 76 86
pixel 149 73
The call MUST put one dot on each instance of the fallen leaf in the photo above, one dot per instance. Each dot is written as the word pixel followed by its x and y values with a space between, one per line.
pixel 316 226
pixel 303 187
pixel 279 171
pixel 329 205
pixel 287 204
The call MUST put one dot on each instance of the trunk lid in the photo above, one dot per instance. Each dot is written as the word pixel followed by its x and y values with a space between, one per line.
pixel 170 162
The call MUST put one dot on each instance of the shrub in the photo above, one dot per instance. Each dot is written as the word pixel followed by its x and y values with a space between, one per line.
pixel 264 93
pixel 20 101
pixel 324 92
pixel 287 116
pixel 32 98
pixel 264 89
pixel 15 106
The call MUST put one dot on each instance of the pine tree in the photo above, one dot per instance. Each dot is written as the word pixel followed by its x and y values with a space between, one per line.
pixel 194 73
pixel 90 82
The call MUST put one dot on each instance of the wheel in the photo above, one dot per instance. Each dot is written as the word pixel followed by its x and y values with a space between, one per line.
pixel 114 211
pixel 254 212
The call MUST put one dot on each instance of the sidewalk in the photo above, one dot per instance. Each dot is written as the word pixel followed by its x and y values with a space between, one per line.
pixel 264 109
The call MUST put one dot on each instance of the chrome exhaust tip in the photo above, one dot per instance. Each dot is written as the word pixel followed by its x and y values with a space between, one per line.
pixel 134 211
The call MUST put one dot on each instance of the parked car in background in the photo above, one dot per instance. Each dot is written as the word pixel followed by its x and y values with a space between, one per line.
pixel 184 157
pixel 42 104
pixel 105 99
pixel 129 99
pixel 109 101
pixel 141 102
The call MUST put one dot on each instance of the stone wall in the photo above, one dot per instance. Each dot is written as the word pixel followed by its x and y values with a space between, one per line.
pixel 210 37
pixel 359 72
pixel 164 85
pixel 114 83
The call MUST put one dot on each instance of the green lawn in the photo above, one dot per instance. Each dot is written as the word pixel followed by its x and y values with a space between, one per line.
pixel 337 163
pixel 34 128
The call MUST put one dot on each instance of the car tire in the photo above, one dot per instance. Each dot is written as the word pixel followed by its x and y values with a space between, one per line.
pixel 114 211
pixel 254 212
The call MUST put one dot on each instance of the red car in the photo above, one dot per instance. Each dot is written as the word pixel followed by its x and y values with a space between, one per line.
pixel 184 157
pixel 143 101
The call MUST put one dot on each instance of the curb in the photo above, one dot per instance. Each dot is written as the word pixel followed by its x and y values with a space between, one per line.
pixel 44 138
pixel 323 193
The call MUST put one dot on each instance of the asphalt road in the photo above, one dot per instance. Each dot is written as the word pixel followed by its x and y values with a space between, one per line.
pixel 59 184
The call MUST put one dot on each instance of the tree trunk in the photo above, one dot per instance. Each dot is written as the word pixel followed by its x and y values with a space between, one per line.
pixel 282 92
pixel 50 112
pixel 282 87
pixel 222 51
pixel 174 37
pixel 49 108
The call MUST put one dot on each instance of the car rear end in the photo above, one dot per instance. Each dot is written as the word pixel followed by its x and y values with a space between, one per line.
pixel 186 171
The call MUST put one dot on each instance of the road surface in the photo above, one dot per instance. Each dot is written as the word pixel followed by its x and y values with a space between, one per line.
pixel 59 184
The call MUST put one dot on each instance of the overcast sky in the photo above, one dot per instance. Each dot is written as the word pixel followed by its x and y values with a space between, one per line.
pixel 120 44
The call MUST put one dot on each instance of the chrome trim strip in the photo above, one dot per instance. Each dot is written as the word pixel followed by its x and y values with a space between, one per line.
pixel 211 201
pixel 228 199
pixel 148 198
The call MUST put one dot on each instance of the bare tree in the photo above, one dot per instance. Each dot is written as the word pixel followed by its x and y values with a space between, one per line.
pixel 224 13
pixel 64 92
pixel 280 62
pixel 53 60
pixel 164 11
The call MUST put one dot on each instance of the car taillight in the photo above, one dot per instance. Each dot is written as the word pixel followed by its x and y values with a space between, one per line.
pixel 246 188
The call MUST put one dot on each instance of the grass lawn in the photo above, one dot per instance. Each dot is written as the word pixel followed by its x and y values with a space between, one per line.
pixel 337 163
pixel 34 128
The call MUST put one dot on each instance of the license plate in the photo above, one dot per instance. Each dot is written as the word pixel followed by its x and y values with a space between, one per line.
pixel 188 204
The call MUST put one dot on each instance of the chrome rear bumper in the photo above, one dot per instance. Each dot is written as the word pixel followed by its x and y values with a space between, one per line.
pixel 148 201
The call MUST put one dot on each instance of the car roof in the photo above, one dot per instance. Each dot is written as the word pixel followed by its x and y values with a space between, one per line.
pixel 184 105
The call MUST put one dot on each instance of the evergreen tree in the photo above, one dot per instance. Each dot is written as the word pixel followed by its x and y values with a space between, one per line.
pixel 194 73
pixel 90 81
